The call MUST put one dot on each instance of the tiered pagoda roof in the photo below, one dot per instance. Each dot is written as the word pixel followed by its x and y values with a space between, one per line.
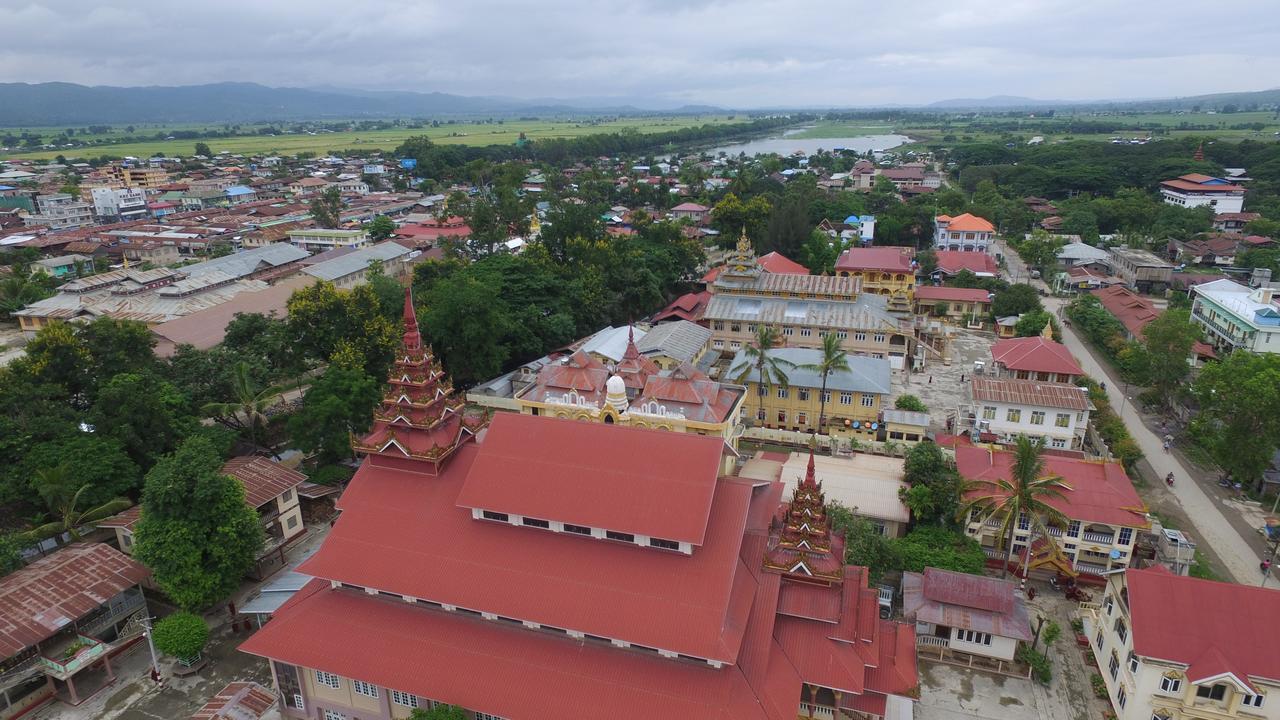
pixel 801 544
pixel 420 416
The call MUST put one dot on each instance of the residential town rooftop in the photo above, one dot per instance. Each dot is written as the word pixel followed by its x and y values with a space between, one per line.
pixel 1011 391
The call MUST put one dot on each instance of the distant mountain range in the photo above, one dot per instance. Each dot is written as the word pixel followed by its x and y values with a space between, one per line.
pixel 64 104
pixel 53 104
pixel 1205 102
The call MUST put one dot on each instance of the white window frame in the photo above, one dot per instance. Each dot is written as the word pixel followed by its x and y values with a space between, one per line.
pixel 363 688
pixel 404 699
pixel 846 398
pixel 1253 701
pixel 328 679
pixel 333 715
pixel 1170 685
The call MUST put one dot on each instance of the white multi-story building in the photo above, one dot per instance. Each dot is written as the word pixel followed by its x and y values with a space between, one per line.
pixel 1197 190
pixel 60 211
pixel 966 233
pixel 1007 407
pixel 1172 647
pixel 122 203
pixel 1236 317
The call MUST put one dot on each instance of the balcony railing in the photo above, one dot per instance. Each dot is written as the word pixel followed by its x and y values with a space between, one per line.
pixel 82 652
pixel 1055 532
pixel 817 711
pixel 1090 568
pixel 932 641
pixel 1100 538
pixel 993 553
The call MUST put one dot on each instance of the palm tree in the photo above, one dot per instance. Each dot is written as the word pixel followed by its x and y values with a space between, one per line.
pixel 1025 494
pixel 54 485
pixel 833 359
pixel 248 408
pixel 769 369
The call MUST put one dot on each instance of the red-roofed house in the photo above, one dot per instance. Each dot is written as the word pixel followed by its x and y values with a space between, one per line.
pixel 884 270
pixel 691 211
pixel 958 302
pixel 966 232
pixel 952 262
pixel 63 615
pixel 1197 190
pixel 552 569
pixel 1104 510
pixel 1234 222
pixel 1035 358
pixel 1135 312
pixel 237 701
pixel 958 615
pixel 686 307
pixel 1171 646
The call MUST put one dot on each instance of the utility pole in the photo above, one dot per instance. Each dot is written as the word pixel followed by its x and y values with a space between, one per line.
pixel 151 645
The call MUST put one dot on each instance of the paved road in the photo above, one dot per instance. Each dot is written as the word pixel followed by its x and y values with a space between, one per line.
pixel 1211 526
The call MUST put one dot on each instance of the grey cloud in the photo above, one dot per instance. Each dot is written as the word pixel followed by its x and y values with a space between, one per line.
pixel 731 52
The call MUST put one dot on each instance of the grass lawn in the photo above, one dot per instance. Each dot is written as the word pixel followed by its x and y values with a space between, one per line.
pixel 505 133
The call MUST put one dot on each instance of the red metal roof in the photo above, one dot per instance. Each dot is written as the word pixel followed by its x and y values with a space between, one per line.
pixel 526 674
pixel 686 307
pixel 952 262
pixel 1212 627
pixel 1099 490
pixel 39 600
pixel 1035 354
pixel 971 591
pixel 403 532
pixel 646 482
pixel 950 294
pixel 887 259
pixel 779 264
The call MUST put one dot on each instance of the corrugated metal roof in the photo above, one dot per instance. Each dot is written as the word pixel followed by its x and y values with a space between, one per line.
pixel 865 374
pixel 969 602
pixel 869 312
pixel 357 261
pixel 39 600
pixel 1034 393
pixel 263 479
pixel 681 340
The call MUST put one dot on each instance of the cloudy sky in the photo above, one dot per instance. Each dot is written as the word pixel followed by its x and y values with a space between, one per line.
pixel 742 53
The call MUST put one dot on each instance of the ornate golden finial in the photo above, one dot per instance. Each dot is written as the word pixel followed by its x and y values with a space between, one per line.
pixel 744 245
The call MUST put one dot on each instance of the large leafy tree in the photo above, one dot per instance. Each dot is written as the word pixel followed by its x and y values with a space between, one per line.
pixel 196 533
pixel 934 488
pixel 864 544
pixel 1239 418
pixel 938 547
pixel 439 712
pixel 1169 339
pixel 832 359
pixel 766 369
pixel 323 319
pixel 146 414
pixel 1015 300
pixel 1025 494
pixel 380 228
pixel 339 404
pixel 90 460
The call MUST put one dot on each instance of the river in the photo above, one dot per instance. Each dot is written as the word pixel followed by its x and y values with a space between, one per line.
pixel 786 144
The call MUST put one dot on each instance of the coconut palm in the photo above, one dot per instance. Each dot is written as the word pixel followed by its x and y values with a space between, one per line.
pixel 55 486
pixel 1026 493
pixel 247 410
pixel 833 359
pixel 769 369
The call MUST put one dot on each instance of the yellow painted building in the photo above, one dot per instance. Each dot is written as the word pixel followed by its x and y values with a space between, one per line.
pixel 139 177
pixel 854 397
